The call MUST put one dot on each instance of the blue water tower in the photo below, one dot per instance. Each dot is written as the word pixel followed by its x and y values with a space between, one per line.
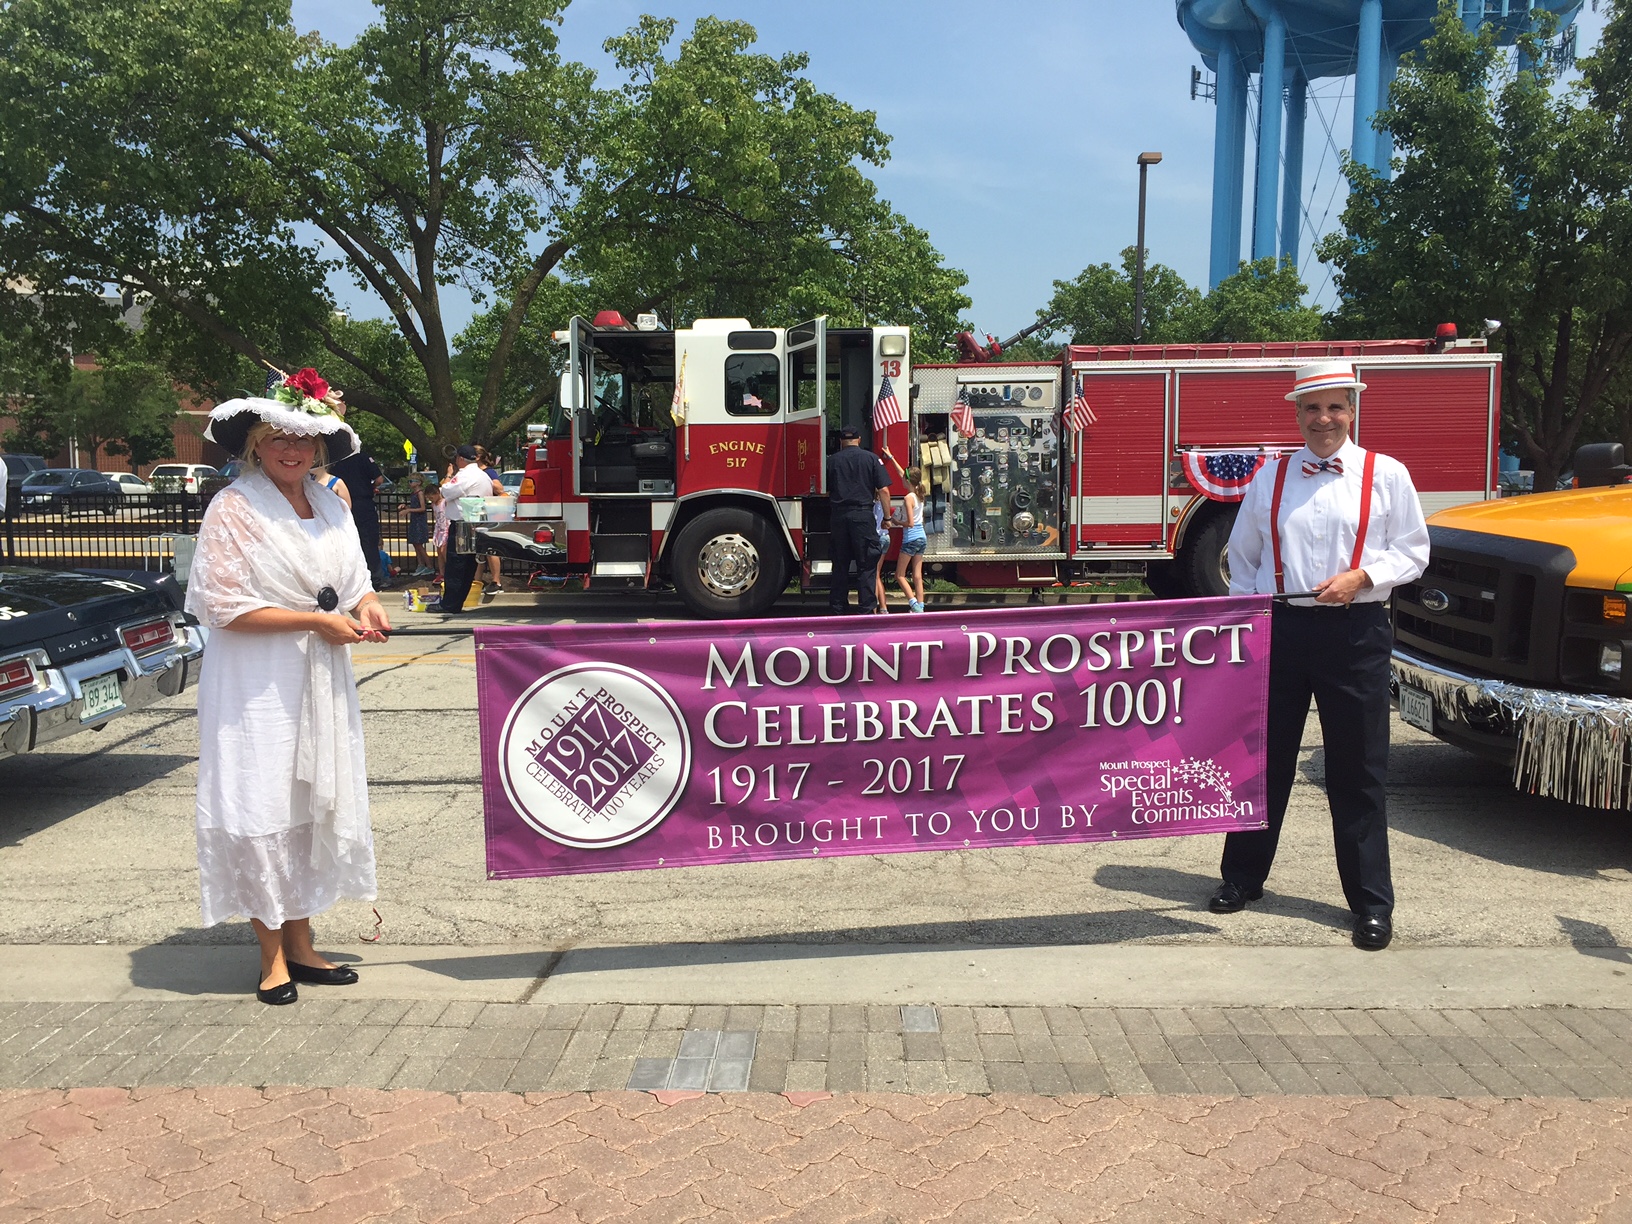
pixel 1287 44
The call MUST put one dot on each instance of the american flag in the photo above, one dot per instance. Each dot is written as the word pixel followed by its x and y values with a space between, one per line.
pixel 1222 477
pixel 1079 416
pixel 963 414
pixel 887 411
pixel 750 400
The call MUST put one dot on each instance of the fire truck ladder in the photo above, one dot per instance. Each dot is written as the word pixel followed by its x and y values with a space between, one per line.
pixel 620 542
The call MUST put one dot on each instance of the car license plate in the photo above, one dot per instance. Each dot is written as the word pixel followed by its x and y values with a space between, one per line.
pixel 100 695
pixel 1417 708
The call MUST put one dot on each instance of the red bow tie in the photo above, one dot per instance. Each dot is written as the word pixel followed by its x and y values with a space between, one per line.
pixel 1334 466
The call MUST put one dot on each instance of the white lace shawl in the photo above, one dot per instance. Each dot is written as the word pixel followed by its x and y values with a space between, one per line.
pixel 255 552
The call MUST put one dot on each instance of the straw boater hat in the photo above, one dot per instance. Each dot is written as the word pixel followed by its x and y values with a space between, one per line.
pixel 300 404
pixel 1324 376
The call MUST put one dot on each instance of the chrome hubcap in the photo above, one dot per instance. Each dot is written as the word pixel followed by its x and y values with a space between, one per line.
pixel 728 565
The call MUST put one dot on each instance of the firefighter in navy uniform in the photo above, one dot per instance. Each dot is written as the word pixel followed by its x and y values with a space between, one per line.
pixel 1346 524
pixel 856 480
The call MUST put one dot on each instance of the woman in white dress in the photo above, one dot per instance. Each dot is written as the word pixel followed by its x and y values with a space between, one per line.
pixel 279 579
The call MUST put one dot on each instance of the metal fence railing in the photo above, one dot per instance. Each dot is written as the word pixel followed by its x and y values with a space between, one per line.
pixel 138 530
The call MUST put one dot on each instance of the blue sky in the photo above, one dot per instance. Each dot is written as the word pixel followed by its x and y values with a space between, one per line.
pixel 1014 127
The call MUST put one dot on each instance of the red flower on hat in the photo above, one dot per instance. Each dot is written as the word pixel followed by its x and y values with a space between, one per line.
pixel 309 383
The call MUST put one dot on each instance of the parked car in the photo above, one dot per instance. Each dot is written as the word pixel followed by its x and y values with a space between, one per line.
pixel 511 480
pixel 68 489
pixel 80 648
pixel 231 469
pixel 180 477
pixel 18 469
pixel 129 482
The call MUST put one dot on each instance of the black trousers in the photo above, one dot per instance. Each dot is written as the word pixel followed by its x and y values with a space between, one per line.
pixel 457 574
pixel 854 538
pixel 1340 657
pixel 367 519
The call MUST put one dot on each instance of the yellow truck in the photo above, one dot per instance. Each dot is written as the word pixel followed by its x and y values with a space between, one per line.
pixel 1514 642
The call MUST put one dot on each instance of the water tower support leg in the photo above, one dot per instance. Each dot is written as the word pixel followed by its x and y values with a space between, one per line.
pixel 1266 209
pixel 1367 79
pixel 1385 142
pixel 1228 166
pixel 1297 109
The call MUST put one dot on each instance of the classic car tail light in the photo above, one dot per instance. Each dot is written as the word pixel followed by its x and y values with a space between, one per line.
pixel 16 676
pixel 544 535
pixel 1615 608
pixel 148 636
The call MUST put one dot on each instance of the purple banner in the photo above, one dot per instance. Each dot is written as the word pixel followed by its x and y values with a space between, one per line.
pixel 616 747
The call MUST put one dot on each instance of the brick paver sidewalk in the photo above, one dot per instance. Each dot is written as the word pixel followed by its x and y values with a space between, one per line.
pixel 240 1154
pixel 327 1040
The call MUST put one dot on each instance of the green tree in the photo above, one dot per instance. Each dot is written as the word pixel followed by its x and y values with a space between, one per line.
pixel 191 150
pixel 1096 306
pixel 1262 301
pixel 122 406
pixel 1511 203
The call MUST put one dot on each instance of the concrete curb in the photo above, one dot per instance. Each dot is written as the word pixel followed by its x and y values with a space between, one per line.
pixel 793 974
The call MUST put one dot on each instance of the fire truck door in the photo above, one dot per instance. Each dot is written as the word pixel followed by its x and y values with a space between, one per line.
pixel 575 394
pixel 805 395
pixel 1120 505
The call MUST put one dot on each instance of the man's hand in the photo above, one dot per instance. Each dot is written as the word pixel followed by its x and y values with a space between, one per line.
pixel 1342 588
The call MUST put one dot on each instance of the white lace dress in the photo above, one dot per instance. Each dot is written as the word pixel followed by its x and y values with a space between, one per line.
pixel 283 830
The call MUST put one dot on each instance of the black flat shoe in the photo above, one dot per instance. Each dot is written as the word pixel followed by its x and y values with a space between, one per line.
pixel 278 995
pixel 1228 898
pixel 1372 932
pixel 340 975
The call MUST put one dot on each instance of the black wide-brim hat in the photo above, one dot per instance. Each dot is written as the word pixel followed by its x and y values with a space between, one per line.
pixel 231 422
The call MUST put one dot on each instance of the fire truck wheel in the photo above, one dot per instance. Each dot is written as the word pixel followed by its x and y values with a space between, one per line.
pixel 729 562
pixel 1203 562
pixel 1164 580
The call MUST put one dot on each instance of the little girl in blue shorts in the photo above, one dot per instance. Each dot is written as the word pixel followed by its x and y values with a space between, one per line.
pixel 913 539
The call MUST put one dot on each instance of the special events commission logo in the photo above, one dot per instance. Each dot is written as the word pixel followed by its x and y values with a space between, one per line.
pixel 594 755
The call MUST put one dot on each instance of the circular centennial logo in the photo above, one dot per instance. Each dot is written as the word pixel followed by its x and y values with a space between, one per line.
pixel 594 755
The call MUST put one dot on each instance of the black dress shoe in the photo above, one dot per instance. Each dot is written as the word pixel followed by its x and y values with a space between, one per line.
pixel 278 995
pixel 1372 932
pixel 340 975
pixel 1228 898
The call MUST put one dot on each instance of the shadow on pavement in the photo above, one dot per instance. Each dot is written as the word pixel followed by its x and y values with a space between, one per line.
pixel 1524 831
pixel 1594 939
pixel 60 785
pixel 1052 930
pixel 1191 889
pixel 228 966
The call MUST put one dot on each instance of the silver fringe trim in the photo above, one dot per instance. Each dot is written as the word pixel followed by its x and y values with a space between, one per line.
pixel 1569 746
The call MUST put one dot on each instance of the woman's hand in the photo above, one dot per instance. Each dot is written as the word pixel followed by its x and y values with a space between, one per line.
pixel 375 623
pixel 337 629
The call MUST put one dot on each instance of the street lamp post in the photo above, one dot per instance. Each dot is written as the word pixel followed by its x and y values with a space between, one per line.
pixel 1146 161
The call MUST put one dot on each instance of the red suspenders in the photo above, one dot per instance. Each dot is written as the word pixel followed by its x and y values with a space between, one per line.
pixel 1275 520
pixel 1275 515
pixel 1365 508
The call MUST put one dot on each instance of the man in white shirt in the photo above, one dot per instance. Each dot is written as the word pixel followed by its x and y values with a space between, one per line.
pixel 466 480
pixel 1345 524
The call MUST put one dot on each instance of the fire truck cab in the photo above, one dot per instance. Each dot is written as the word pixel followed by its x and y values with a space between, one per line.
pixel 697 457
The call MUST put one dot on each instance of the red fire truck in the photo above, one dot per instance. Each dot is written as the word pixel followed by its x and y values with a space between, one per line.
pixel 696 457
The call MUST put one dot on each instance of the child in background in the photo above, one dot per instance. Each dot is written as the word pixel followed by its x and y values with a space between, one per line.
pixel 913 540
pixel 878 570
pixel 439 537
pixel 419 529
